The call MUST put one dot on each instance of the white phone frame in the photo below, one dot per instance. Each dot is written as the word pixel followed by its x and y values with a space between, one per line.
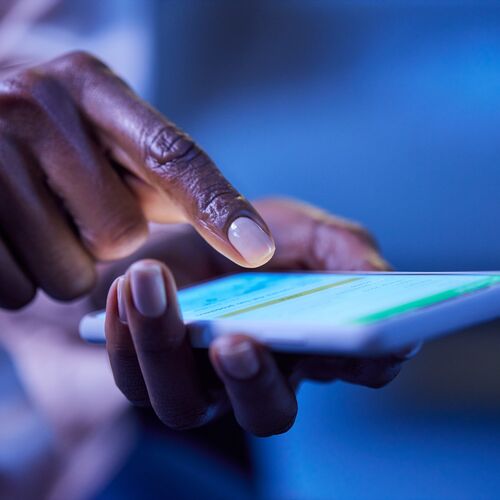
pixel 377 338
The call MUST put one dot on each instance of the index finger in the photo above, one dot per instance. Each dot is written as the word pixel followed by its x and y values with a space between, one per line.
pixel 166 159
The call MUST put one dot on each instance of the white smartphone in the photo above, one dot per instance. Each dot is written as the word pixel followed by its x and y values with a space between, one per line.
pixel 345 313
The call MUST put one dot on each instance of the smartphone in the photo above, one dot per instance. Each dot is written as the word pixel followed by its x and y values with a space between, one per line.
pixel 345 313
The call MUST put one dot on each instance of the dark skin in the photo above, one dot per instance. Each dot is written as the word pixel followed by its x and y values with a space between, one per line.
pixel 84 165
pixel 154 365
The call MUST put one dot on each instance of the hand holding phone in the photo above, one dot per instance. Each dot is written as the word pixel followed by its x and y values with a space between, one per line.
pixel 155 365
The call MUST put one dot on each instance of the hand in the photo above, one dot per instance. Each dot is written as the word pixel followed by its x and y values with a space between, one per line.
pixel 84 163
pixel 154 365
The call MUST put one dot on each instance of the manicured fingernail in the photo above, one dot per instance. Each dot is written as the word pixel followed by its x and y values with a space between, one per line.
pixel 410 352
pixel 248 238
pixel 122 311
pixel 239 360
pixel 148 289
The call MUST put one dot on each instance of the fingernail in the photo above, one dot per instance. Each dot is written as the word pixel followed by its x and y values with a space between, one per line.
pixel 239 360
pixel 122 311
pixel 248 238
pixel 148 289
pixel 411 351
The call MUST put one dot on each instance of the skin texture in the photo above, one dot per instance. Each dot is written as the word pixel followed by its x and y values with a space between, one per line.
pixel 154 365
pixel 84 164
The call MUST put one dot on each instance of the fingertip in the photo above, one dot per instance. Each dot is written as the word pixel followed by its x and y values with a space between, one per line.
pixel 235 356
pixel 263 402
pixel 148 288
pixel 252 242
pixel 153 314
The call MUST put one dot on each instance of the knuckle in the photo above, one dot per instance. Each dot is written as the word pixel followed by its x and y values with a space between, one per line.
pixel 218 199
pixel 187 169
pixel 26 97
pixel 19 91
pixel 27 85
pixel 82 60
pixel 168 150
pixel 78 70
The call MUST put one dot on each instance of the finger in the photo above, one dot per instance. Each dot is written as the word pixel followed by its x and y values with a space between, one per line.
pixel 36 229
pixel 121 352
pixel 318 240
pixel 375 373
pixel 157 152
pixel 165 356
pixel 16 289
pixel 107 216
pixel 263 402
pixel 368 372
pixel 334 247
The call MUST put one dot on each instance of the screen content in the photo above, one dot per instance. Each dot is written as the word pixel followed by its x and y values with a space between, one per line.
pixel 334 298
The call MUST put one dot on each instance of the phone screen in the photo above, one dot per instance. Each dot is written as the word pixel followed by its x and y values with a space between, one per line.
pixel 339 299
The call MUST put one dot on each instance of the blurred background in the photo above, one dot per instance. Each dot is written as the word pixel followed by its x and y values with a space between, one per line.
pixel 387 112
